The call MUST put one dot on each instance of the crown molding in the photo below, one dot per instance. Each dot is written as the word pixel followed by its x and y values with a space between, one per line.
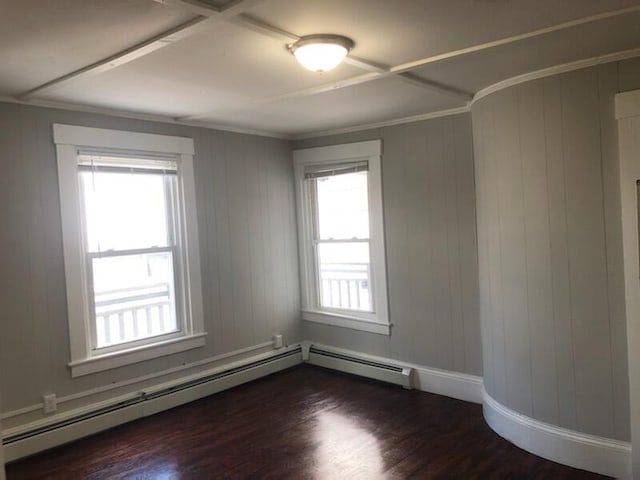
pixel 555 70
pixel 150 117
pixel 386 123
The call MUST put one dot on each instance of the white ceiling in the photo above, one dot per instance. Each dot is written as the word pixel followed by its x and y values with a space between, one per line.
pixel 227 72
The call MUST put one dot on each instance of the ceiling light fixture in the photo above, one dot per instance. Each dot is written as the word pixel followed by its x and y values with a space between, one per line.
pixel 321 53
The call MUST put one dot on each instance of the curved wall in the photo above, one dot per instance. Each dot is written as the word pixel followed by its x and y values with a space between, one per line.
pixel 550 251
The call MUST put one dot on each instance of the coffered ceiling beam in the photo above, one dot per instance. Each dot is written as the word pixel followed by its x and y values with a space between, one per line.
pixel 405 67
pixel 207 16
pixel 347 82
pixel 421 82
pixel 375 70
pixel 233 12
pixel 250 23
pixel 237 7
pixel 198 7
pixel 120 58
pixel 329 87
pixel 366 65
pixel 271 31
pixel 274 32
pixel 326 87
pixel 194 6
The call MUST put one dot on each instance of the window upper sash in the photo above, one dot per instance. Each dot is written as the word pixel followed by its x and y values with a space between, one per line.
pixel 126 164
pixel 330 170
pixel 112 169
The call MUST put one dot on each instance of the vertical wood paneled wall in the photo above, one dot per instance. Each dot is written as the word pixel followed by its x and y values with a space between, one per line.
pixel 430 234
pixel 550 251
pixel 246 222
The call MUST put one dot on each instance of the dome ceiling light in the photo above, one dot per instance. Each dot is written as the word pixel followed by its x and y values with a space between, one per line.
pixel 321 53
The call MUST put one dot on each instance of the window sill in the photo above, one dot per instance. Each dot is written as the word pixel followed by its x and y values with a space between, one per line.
pixel 347 321
pixel 135 355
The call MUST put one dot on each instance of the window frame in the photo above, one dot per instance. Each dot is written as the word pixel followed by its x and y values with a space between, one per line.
pixel 369 151
pixel 72 140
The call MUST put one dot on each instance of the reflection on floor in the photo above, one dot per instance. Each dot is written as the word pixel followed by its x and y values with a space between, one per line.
pixel 302 423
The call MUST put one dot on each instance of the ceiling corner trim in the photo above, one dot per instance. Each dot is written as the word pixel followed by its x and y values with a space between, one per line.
pixel 387 123
pixel 555 70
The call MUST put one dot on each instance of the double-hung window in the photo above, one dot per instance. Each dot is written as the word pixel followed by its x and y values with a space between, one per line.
pixel 130 245
pixel 341 236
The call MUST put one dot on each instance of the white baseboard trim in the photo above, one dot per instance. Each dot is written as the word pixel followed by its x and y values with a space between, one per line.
pixel 450 384
pixel 596 454
pixel 588 452
pixel 441 382
pixel 81 422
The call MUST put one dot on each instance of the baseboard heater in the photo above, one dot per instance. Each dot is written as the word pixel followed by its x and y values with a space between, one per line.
pixel 144 404
pixel 361 366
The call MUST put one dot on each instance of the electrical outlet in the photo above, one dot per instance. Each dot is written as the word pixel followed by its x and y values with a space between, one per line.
pixel 50 403
pixel 277 341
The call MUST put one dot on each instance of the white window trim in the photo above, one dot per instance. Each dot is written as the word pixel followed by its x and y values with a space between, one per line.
pixel 69 140
pixel 370 151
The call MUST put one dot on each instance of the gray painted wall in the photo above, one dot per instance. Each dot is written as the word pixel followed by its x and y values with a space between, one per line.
pixel 430 233
pixel 246 221
pixel 550 251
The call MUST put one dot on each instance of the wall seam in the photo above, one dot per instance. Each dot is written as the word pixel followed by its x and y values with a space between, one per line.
pixel 606 249
pixel 447 124
pixel 566 212
pixel 458 234
pixel 214 237
pixel 250 254
pixel 552 290
pixel 504 333
pixel 526 257
pixel 430 222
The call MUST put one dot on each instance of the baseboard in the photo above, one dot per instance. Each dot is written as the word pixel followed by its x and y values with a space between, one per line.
pixel 587 452
pixel 386 371
pixel 442 382
pixel 450 384
pixel 60 429
pixel 596 454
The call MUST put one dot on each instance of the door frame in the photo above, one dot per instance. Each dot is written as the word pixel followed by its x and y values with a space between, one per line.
pixel 627 108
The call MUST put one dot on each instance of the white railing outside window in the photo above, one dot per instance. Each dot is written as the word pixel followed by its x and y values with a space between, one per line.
pixel 132 314
pixel 346 286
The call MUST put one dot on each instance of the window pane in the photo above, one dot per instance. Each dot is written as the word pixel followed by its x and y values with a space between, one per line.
pixel 124 211
pixel 134 297
pixel 343 206
pixel 345 276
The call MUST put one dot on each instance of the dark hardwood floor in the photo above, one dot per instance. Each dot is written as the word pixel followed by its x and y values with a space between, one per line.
pixel 305 422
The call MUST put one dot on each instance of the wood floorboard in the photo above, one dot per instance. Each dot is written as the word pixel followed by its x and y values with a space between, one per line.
pixel 302 423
